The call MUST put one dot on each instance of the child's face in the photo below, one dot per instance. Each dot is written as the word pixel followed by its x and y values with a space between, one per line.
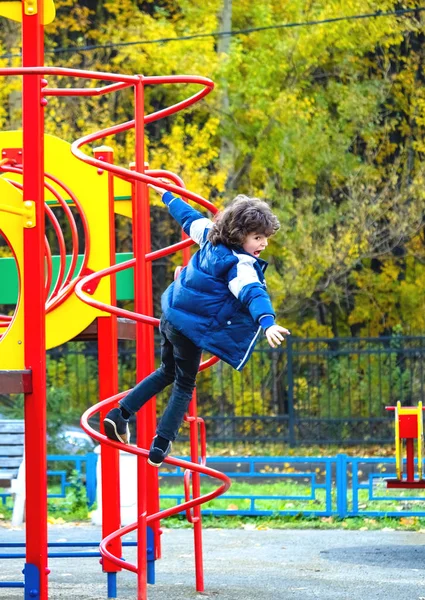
pixel 255 243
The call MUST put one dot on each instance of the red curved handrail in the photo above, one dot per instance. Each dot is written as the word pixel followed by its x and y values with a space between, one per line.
pixel 121 80
pixel 49 267
pixel 123 312
pixel 63 287
pixel 87 240
pixel 200 468
pixel 62 252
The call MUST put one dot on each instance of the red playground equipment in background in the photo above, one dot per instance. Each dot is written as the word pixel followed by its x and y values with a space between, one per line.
pixel 36 302
pixel 408 428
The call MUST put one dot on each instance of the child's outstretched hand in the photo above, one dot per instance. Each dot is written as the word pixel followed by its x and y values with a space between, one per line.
pixel 158 189
pixel 275 335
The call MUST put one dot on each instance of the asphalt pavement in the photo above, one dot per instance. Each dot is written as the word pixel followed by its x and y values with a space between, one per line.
pixel 245 564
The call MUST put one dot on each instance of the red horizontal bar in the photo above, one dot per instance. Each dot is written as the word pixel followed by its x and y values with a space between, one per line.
pixel 87 91
pixel 400 484
pixel 101 75
pixel 394 407
pixel 169 249
pixel 160 79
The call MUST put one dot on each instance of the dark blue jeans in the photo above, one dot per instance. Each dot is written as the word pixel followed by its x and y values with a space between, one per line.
pixel 180 360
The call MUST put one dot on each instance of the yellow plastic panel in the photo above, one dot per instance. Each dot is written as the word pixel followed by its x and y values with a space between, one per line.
pixel 11 227
pixel 91 189
pixel 13 10
pixel 122 189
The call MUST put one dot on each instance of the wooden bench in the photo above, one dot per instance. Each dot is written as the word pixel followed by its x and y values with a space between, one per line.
pixel 12 470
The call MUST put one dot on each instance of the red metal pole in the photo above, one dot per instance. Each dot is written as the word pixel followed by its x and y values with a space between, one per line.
pixel 142 588
pixel 108 386
pixel 196 478
pixel 142 331
pixel 34 296
pixel 196 492
pixel 410 459
pixel 148 412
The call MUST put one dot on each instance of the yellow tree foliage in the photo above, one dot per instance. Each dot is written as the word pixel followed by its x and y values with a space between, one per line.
pixel 326 121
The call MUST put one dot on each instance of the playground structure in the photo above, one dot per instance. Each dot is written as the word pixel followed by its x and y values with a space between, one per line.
pixel 408 428
pixel 71 297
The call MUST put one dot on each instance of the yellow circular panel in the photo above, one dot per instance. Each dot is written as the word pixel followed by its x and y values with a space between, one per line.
pixel 73 316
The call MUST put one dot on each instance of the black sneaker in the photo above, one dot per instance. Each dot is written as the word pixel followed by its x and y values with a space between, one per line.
pixel 116 427
pixel 157 455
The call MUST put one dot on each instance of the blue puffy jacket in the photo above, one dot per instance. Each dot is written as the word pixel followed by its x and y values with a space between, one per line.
pixel 219 299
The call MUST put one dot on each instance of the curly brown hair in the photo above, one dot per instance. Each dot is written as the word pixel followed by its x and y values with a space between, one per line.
pixel 243 216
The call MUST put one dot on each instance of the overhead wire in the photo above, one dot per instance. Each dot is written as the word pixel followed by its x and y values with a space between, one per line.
pixel 246 31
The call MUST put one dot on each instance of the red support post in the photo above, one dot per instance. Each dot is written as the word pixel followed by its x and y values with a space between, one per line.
pixel 141 305
pixel 142 549
pixel 146 365
pixel 196 478
pixel 108 386
pixel 196 492
pixel 34 295
pixel 410 460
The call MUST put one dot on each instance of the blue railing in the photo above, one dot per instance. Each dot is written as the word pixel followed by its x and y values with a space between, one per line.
pixel 83 465
pixel 258 468
pixel 340 486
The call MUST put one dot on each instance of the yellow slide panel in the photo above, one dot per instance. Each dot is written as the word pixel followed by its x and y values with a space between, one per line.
pixel 13 10
pixel 73 316
pixel 11 228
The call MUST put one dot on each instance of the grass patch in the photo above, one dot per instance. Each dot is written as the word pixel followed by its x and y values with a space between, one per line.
pixel 289 495
pixel 181 448
pixel 297 496
pixel 293 494
pixel 301 522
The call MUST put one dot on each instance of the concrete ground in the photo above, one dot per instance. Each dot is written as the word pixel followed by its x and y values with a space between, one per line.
pixel 246 564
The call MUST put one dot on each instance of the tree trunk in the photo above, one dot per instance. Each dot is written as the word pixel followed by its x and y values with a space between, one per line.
pixel 223 47
pixel 223 44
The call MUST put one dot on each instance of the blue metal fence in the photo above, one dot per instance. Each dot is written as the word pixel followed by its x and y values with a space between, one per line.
pixel 80 468
pixel 338 486
pixel 312 477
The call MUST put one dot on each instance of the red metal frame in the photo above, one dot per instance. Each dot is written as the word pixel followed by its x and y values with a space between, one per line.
pixel 34 299
pixel 142 305
pixel 108 386
pixel 35 251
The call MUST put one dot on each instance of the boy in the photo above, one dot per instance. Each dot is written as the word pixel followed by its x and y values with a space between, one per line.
pixel 219 303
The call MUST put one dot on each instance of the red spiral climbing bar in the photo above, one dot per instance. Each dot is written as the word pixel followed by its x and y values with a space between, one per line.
pixel 141 178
